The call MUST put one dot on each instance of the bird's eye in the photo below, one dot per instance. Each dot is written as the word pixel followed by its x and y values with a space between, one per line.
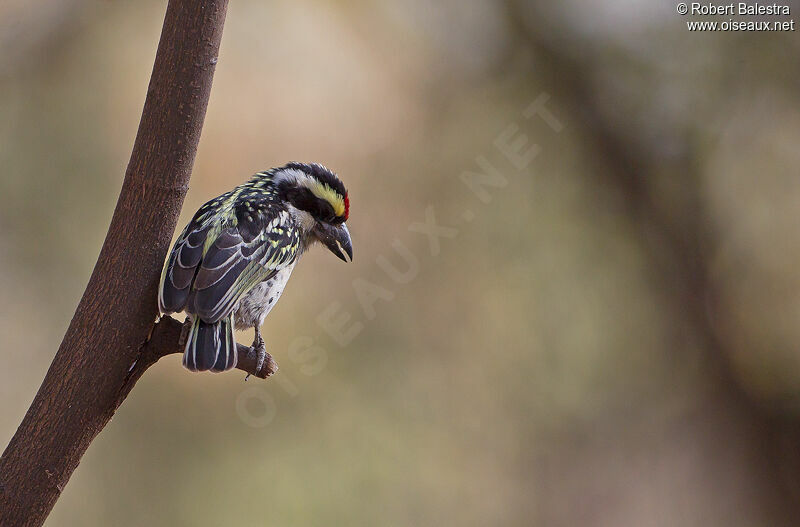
pixel 326 212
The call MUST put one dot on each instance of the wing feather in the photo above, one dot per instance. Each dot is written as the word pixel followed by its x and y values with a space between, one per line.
pixel 241 258
pixel 180 269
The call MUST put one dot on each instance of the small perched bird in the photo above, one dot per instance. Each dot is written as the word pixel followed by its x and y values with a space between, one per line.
pixel 231 263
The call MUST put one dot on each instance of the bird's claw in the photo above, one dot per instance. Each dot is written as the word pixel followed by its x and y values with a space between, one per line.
pixel 258 351
pixel 260 358
pixel 261 353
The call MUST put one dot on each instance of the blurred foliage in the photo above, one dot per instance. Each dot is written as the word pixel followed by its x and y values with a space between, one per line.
pixel 547 367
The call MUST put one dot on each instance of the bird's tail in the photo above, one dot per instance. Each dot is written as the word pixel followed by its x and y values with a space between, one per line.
pixel 210 346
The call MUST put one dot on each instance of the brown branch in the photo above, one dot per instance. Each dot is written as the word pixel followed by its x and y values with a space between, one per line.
pixel 167 338
pixel 113 326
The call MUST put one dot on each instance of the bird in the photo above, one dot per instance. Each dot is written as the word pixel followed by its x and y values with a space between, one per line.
pixel 231 262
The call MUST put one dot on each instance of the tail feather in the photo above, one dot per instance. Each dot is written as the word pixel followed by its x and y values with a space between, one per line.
pixel 210 346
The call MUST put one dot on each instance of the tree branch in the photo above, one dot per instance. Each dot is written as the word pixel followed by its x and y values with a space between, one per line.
pixel 112 338
pixel 168 337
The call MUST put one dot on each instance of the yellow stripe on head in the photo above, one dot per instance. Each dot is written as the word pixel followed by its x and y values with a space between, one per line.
pixel 319 180
pixel 323 191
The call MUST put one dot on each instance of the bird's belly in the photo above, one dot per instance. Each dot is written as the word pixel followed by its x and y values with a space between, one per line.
pixel 259 301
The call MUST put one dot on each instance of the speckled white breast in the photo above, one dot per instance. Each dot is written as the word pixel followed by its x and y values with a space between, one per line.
pixel 256 304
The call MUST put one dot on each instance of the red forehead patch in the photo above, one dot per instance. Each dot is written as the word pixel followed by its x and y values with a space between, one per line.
pixel 346 207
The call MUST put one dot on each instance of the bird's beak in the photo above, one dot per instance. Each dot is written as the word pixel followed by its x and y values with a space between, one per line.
pixel 337 239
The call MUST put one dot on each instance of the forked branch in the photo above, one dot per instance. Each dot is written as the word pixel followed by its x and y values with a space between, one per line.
pixel 112 338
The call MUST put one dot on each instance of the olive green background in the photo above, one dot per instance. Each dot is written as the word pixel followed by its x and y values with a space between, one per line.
pixel 605 337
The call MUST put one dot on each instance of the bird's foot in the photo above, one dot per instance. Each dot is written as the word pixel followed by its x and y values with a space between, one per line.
pixel 258 351
pixel 261 352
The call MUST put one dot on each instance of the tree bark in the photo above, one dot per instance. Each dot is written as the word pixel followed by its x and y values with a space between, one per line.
pixel 108 344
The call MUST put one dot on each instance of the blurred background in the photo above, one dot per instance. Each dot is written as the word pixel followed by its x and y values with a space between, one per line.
pixel 606 333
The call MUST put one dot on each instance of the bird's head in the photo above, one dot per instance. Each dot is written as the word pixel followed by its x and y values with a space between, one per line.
pixel 320 203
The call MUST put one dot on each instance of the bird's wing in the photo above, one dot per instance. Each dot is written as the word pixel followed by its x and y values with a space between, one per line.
pixel 182 266
pixel 239 258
